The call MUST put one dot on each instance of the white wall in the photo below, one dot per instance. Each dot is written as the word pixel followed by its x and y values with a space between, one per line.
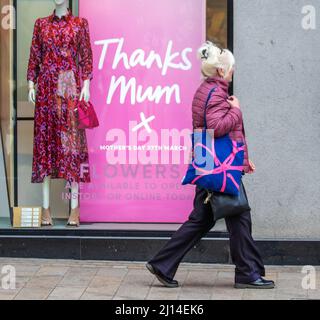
pixel 277 82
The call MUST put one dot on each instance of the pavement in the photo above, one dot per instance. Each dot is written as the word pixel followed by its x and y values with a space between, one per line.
pixel 113 280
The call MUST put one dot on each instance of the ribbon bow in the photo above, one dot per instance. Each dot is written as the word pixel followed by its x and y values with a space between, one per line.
pixel 221 167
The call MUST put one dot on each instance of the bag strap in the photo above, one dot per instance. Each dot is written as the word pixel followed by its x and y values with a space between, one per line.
pixel 205 108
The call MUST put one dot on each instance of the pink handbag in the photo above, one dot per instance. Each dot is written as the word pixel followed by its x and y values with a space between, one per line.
pixel 87 117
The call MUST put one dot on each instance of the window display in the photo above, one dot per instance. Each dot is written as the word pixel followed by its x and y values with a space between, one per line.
pixel 60 148
pixel 55 164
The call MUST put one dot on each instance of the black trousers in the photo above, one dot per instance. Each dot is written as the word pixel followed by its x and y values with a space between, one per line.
pixel 244 252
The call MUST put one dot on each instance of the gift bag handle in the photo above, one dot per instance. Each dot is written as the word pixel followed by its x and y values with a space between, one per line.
pixel 206 106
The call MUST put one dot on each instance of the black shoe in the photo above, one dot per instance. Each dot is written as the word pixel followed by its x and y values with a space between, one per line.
pixel 162 278
pixel 258 284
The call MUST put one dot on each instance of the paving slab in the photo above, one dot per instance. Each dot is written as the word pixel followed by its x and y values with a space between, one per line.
pixel 38 279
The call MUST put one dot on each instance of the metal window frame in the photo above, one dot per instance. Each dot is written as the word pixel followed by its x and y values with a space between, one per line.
pixel 230 32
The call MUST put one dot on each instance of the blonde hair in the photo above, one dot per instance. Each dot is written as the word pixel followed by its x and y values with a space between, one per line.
pixel 212 58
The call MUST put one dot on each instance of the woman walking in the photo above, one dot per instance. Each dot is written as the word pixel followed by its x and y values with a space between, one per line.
pixel 224 115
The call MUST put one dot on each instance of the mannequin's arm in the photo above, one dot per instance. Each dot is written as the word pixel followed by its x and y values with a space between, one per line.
pixel 85 92
pixel 32 92
pixel 85 60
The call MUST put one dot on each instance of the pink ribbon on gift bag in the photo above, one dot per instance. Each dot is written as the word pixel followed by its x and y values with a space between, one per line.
pixel 221 167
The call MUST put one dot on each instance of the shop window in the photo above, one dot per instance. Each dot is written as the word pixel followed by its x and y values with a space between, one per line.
pixel 18 134
pixel 6 95
pixel 217 22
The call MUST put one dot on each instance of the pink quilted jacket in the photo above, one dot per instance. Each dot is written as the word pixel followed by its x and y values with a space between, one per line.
pixel 221 116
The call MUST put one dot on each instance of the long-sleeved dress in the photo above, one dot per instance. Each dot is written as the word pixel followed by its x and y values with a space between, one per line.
pixel 60 56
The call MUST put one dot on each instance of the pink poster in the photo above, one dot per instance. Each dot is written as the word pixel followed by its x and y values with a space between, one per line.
pixel 145 74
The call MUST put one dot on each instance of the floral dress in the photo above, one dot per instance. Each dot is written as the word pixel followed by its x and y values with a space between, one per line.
pixel 60 57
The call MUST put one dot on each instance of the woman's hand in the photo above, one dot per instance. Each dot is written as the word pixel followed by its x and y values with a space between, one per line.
pixel 234 102
pixel 252 167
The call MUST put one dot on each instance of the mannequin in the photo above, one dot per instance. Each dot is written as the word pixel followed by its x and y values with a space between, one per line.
pixel 61 9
